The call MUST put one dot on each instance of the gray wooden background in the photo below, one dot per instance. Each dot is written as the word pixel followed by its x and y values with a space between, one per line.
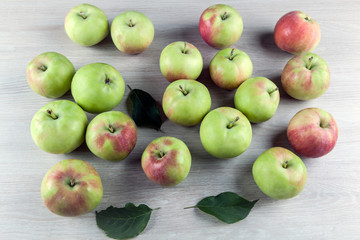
pixel 329 206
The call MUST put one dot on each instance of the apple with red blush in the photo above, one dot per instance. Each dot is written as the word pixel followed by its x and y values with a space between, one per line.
pixel 312 132
pixel 296 33
pixel 166 161
pixel 220 26
pixel 71 188
pixel 111 135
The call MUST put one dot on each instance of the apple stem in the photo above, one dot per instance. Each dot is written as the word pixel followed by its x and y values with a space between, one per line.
pixel 223 17
pixel 232 54
pixel 111 129
pixel 231 124
pixel 72 183
pixel 82 14
pixel 309 62
pixel 274 90
pixel 131 23
pixel 184 50
pixel 52 114
pixel 43 68
pixel 285 164
pixel 183 90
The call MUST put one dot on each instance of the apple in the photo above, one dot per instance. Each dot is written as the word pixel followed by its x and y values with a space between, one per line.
pixel 220 26
pixel 225 132
pixel 166 161
pixel 186 102
pixel 279 173
pixel 180 60
pixel 59 127
pixel 306 76
pixel 97 87
pixel 86 25
pixel 49 74
pixel 312 132
pixel 111 135
pixel 230 67
pixel 257 98
pixel 296 32
pixel 71 188
pixel 132 32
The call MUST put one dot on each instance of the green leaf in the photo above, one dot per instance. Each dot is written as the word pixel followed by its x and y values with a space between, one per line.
pixel 123 223
pixel 144 109
pixel 227 207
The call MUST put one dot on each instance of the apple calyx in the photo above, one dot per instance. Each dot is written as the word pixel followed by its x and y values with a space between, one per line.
pixel 285 164
pixel 107 80
pixel 43 68
pixel 131 24
pixel 183 90
pixel 72 183
pixel 224 16
pixel 273 90
pixel 161 154
pixel 324 125
pixel 82 14
pixel 232 54
pixel 111 128
pixel 308 66
pixel 52 114
pixel 307 18
pixel 232 123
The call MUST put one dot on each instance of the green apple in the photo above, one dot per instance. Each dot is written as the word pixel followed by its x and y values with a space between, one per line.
pixel 279 173
pixel 59 127
pixel 230 67
pixel 50 74
pixel 306 76
pixel 225 132
pixel 166 161
pixel 132 32
pixel 86 25
pixel 186 102
pixel 71 187
pixel 220 26
pixel 111 135
pixel 258 98
pixel 180 60
pixel 97 87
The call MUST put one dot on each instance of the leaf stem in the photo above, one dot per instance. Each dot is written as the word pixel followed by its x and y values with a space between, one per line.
pixel 190 207
pixel 156 209
pixel 129 87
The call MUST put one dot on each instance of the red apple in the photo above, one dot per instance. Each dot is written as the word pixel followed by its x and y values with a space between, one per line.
pixel 296 32
pixel 166 161
pixel 312 132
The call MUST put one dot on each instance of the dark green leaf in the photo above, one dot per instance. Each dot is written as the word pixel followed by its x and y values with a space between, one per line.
pixel 144 109
pixel 227 207
pixel 123 223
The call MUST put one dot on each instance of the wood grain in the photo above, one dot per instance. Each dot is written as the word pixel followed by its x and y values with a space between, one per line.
pixel 328 208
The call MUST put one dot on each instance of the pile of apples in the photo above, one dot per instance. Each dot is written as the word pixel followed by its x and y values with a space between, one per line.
pixel 73 187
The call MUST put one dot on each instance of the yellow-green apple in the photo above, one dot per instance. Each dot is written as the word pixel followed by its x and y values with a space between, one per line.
pixel 225 132
pixel 296 32
pixel 306 76
pixel 312 132
pixel 71 188
pixel 279 173
pixel 180 60
pixel 186 102
pixel 166 161
pixel 86 25
pixel 257 98
pixel 49 74
pixel 132 32
pixel 59 127
pixel 230 67
pixel 97 87
pixel 111 135
pixel 220 26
